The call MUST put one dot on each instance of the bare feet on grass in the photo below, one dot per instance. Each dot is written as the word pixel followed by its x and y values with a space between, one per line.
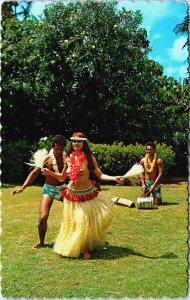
pixel 157 201
pixel 38 246
pixel 86 255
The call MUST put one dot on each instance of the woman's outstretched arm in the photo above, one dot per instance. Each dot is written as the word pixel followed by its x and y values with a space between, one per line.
pixel 103 176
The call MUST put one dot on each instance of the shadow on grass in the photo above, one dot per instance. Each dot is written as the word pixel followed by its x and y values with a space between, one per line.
pixel 113 252
pixel 104 188
pixel 48 245
pixel 169 203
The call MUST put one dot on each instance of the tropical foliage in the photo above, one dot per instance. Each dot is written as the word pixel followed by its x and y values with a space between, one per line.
pixel 113 159
pixel 85 66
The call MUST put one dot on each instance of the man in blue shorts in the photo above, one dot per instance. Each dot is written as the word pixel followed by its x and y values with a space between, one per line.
pixel 153 172
pixel 51 188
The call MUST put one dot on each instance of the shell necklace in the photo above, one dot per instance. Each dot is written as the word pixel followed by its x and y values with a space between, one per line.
pixel 152 164
pixel 54 162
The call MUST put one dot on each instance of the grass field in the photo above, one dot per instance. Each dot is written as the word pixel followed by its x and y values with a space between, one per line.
pixel 146 254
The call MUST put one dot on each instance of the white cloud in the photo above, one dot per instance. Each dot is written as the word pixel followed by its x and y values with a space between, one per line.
pixel 176 71
pixel 38 7
pixel 177 52
pixel 156 36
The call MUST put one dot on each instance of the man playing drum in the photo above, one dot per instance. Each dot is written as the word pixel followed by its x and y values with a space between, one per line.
pixel 153 172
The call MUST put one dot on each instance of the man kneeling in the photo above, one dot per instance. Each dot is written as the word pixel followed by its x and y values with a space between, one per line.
pixel 153 172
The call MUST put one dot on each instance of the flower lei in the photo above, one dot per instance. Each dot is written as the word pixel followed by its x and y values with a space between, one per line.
pixel 54 162
pixel 152 165
pixel 75 160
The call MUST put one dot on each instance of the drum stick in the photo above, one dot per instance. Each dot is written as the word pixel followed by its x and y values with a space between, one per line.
pixel 147 193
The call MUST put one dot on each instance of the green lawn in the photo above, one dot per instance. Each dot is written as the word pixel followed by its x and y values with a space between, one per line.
pixel 146 254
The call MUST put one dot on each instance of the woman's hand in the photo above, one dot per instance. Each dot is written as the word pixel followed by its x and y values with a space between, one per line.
pixel 45 171
pixel 120 180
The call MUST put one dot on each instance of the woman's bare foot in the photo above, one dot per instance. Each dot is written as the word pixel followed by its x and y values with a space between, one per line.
pixel 86 255
pixel 38 246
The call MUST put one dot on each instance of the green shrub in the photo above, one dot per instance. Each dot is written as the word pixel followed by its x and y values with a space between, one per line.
pixel 115 159
pixel 13 157
pixel 167 154
pixel 45 143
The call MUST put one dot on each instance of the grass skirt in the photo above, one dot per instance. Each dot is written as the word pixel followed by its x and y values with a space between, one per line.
pixel 83 226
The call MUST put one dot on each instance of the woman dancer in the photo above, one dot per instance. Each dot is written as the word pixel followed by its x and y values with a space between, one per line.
pixel 87 213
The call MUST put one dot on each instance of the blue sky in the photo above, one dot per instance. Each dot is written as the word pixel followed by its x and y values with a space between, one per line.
pixel 159 19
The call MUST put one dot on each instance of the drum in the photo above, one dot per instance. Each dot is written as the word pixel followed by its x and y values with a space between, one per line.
pixel 145 202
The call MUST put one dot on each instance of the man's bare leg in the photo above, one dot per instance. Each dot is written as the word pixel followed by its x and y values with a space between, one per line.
pixel 157 201
pixel 45 205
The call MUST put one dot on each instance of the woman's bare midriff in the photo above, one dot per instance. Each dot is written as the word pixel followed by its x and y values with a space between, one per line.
pixel 83 183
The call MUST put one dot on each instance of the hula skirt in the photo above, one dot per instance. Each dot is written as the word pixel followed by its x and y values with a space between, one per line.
pixel 83 226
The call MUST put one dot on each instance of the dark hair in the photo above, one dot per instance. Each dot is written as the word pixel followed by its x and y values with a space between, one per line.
pixel 151 145
pixel 58 140
pixel 86 150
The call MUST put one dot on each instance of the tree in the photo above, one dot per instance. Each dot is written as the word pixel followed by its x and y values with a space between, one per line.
pixel 11 9
pixel 183 28
pixel 18 112
pixel 25 10
pixel 8 9
pixel 85 67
